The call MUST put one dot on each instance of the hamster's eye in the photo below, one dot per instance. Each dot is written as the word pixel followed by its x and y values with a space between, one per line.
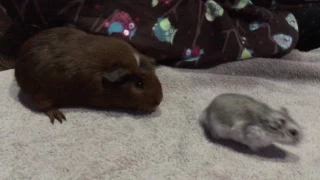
pixel 282 121
pixel 264 121
pixel 273 128
pixel 293 132
pixel 138 85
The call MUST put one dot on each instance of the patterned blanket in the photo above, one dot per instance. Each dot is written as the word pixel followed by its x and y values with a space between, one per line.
pixel 179 33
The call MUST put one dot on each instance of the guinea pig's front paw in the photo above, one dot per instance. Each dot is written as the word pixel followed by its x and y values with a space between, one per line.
pixel 55 114
pixel 254 148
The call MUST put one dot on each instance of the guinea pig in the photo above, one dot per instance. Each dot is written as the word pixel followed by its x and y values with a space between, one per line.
pixel 63 66
pixel 246 120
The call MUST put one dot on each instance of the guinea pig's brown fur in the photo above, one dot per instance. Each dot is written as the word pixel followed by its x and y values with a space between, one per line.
pixel 63 67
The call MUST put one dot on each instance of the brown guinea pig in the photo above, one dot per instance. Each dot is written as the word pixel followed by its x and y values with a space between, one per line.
pixel 64 66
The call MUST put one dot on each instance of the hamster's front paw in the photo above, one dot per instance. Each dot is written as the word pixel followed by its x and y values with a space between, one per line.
pixel 55 114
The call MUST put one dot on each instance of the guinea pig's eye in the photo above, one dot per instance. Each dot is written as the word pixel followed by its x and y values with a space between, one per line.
pixel 138 85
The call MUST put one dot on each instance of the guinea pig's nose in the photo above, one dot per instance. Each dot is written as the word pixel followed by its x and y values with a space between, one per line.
pixel 157 103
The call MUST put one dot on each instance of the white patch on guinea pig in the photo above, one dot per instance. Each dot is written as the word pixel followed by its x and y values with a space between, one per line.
pixel 137 56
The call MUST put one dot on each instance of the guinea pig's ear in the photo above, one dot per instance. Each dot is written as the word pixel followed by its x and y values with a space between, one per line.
pixel 146 64
pixel 152 61
pixel 115 75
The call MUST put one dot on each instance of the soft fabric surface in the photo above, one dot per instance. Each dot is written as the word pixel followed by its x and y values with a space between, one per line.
pixel 179 33
pixel 169 144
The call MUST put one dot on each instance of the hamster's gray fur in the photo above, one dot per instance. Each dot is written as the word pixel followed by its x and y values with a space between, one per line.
pixel 249 121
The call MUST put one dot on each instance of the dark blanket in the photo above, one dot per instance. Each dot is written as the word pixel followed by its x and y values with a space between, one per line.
pixel 180 33
pixel 286 4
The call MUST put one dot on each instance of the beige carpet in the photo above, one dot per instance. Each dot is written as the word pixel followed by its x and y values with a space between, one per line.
pixel 169 144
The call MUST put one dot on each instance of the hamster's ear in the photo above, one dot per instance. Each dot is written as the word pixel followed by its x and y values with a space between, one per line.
pixel 284 110
pixel 115 75
pixel 260 118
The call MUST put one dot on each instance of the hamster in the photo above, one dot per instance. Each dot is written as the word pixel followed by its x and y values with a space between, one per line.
pixel 64 66
pixel 243 119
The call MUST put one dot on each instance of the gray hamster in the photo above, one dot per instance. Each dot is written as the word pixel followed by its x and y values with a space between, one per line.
pixel 244 119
